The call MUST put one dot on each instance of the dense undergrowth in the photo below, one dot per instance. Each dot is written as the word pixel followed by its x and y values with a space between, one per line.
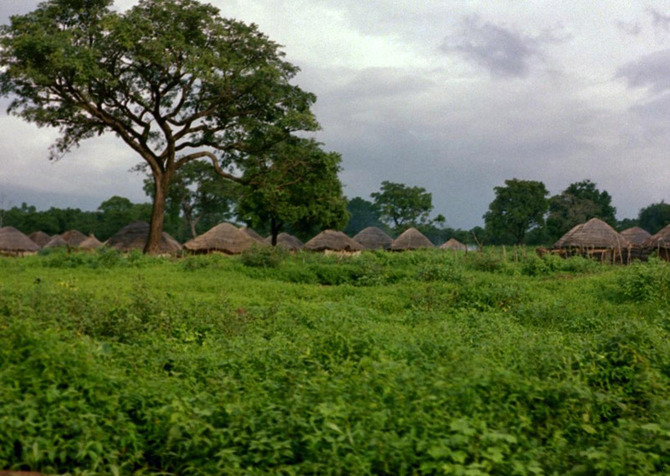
pixel 412 363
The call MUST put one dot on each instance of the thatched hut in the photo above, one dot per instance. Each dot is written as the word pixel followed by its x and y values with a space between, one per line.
pixel 373 238
pixel 636 235
pixel 286 241
pixel 134 237
pixel 40 238
pixel 74 237
pixel 454 245
pixel 253 234
pixel 660 243
pixel 597 239
pixel 331 240
pixel 56 241
pixel 223 238
pixel 90 243
pixel 15 243
pixel 411 239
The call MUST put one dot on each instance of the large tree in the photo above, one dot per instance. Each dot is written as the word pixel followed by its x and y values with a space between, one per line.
pixel 401 206
pixel 518 207
pixel 294 183
pixel 577 204
pixel 362 214
pixel 172 78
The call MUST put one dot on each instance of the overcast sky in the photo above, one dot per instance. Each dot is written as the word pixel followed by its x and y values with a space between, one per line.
pixel 455 97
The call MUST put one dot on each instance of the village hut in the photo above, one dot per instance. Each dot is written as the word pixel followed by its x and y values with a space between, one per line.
pixel 15 243
pixel 454 245
pixel 660 243
pixel 90 243
pixel 223 238
pixel 331 240
pixel 40 238
pixel 285 241
pixel 373 238
pixel 56 241
pixel 411 239
pixel 134 237
pixel 74 238
pixel 253 234
pixel 597 239
pixel 636 235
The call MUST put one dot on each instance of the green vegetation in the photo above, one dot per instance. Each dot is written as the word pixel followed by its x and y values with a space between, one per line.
pixel 424 362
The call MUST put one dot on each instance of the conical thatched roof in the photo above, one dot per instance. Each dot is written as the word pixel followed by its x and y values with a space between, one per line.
pixel 40 238
pixel 224 237
pixel 286 241
pixel 13 241
pixel 252 233
pixel 331 240
pixel 411 239
pixel 373 238
pixel 660 239
pixel 90 243
pixel 134 237
pixel 73 237
pixel 453 244
pixel 595 233
pixel 636 235
pixel 56 241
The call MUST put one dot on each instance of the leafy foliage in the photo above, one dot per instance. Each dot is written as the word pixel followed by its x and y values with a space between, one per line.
pixel 401 206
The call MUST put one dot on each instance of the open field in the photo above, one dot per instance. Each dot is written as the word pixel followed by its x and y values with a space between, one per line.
pixel 414 363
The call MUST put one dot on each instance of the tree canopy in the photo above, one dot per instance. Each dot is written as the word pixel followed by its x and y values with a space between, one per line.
pixel 654 217
pixel 294 183
pixel 401 206
pixel 171 78
pixel 518 207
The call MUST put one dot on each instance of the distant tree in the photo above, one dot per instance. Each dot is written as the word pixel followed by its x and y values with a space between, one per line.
pixel 401 206
pixel 518 207
pixel 117 212
pixel 198 199
pixel 577 204
pixel 362 214
pixel 626 223
pixel 654 217
pixel 171 78
pixel 294 184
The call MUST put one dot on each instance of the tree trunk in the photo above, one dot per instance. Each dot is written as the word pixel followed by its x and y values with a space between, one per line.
pixel 157 214
pixel 274 230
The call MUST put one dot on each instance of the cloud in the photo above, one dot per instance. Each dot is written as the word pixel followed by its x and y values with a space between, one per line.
pixel 659 20
pixel 650 71
pixel 502 51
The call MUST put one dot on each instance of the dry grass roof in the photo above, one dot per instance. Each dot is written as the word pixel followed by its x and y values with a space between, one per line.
pixel 453 244
pixel 13 241
pixel 56 241
pixel 636 235
pixel 331 240
pixel 134 237
pixel 253 234
pixel 224 238
pixel 286 241
pixel 40 238
pixel 595 233
pixel 74 237
pixel 373 238
pixel 660 239
pixel 411 239
pixel 90 243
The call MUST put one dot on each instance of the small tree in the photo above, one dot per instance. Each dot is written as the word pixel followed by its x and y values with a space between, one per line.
pixel 295 184
pixel 654 217
pixel 401 206
pixel 362 214
pixel 518 207
pixel 171 78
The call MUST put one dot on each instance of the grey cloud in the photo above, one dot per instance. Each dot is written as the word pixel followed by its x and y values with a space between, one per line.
pixel 659 20
pixel 502 51
pixel 650 71
pixel 632 29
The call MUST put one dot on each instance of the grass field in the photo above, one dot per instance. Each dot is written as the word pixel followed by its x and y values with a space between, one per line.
pixel 414 363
